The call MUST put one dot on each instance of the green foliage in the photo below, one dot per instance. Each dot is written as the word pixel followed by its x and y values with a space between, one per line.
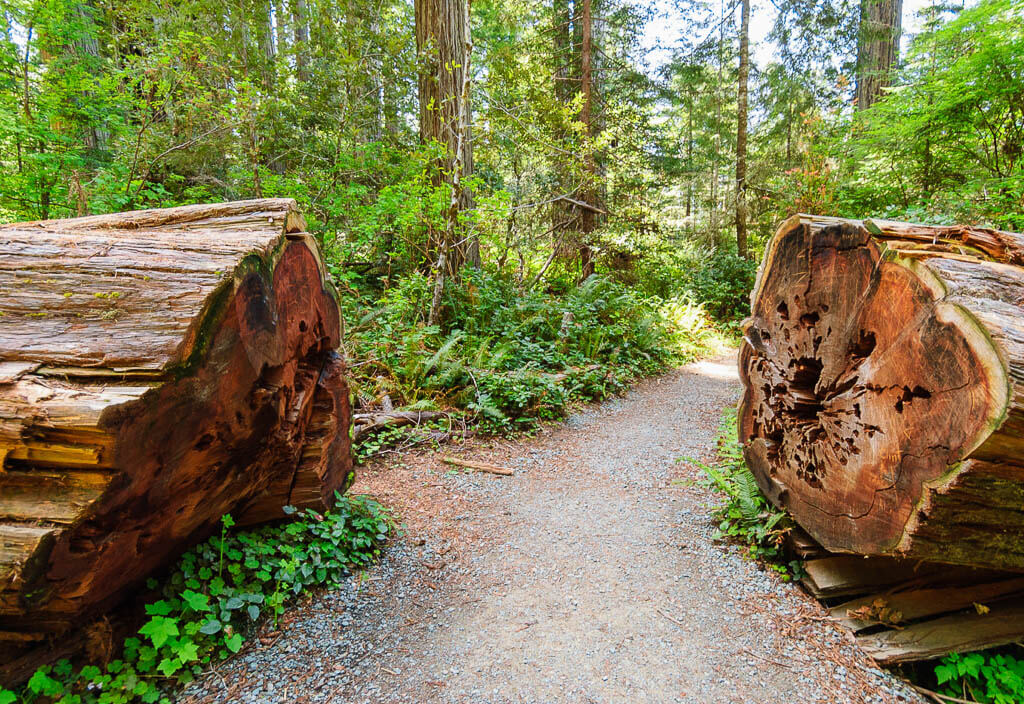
pixel 947 142
pixel 509 356
pixel 219 591
pixel 747 517
pixel 988 677
pixel 398 438
pixel 724 285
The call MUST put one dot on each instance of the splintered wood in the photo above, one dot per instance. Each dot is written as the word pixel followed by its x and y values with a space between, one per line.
pixel 158 369
pixel 906 610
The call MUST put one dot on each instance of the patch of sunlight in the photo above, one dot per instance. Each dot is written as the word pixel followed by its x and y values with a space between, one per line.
pixel 715 370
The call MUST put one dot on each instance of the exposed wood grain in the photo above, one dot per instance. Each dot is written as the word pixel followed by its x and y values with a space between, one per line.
pixel 914 604
pixel 884 393
pixel 157 370
pixel 845 575
pixel 958 633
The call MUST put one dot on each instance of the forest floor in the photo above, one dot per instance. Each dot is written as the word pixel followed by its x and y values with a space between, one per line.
pixel 591 575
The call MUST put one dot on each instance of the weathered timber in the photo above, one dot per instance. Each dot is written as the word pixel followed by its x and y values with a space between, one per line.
pixel 962 632
pixel 883 367
pixel 849 575
pixel 913 604
pixel 364 423
pixel 157 369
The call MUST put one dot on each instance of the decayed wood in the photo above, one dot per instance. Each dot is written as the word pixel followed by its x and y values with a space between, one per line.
pixel 478 466
pixel 880 597
pixel 961 632
pixel 324 465
pixel 157 370
pixel 915 604
pixel 883 367
pixel 847 575
pixel 364 423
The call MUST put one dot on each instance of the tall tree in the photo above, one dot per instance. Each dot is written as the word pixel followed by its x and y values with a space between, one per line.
pixel 444 46
pixel 300 28
pixel 588 216
pixel 741 130
pixel 878 48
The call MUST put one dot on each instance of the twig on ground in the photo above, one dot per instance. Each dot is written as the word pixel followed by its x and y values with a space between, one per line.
pixel 673 620
pixel 764 659
pixel 942 698
pixel 479 466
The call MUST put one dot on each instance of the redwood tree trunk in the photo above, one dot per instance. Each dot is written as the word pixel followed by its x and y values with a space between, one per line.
pixel 741 131
pixel 300 30
pixel 588 216
pixel 878 47
pixel 444 45
pixel 159 369
pixel 883 367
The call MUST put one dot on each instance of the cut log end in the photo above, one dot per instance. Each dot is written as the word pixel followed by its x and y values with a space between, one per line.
pixel 866 385
pixel 205 382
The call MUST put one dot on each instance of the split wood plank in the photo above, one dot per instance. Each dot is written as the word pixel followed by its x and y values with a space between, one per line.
pixel 959 633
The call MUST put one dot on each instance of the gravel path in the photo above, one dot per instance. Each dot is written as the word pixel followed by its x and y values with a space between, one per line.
pixel 590 576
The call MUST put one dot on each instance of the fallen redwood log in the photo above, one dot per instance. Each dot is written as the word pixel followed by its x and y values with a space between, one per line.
pixel 883 367
pixel 157 369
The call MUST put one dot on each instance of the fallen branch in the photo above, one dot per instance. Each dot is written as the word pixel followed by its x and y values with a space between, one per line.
pixel 363 423
pixel 942 698
pixel 550 376
pixel 479 466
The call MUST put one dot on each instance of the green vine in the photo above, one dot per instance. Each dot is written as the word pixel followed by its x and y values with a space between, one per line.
pixel 215 597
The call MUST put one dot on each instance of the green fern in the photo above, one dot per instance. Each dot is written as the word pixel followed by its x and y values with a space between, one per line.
pixel 746 516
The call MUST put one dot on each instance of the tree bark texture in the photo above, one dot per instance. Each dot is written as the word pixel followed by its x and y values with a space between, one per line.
pixel 158 369
pixel 741 131
pixel 883 367
pixel 588 217
pixel 300 33
pixel 443 44
pixel 878 47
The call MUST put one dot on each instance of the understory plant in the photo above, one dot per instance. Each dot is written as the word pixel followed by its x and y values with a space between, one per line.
pixel 746 516
pixel 505 356
pixel 214 599
pixel 993 677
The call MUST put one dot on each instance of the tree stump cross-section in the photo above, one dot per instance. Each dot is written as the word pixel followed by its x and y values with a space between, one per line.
pixel 883 366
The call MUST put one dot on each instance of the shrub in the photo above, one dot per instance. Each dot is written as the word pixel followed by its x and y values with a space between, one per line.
pixel 507 356
pixel 723 285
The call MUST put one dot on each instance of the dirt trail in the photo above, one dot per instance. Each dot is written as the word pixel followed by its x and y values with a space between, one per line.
pixel 589 576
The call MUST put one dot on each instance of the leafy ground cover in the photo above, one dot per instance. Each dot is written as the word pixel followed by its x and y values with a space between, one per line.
pixel 992 677
pixel 746 517
pixel 216 596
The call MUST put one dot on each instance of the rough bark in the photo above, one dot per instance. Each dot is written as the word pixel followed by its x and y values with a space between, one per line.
pixel 564 215
pixel 300 34
pixel 588 217
pixel 884 388
pixel 741 131
pixel 159 368
pixel 878 47
pixel 444 45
